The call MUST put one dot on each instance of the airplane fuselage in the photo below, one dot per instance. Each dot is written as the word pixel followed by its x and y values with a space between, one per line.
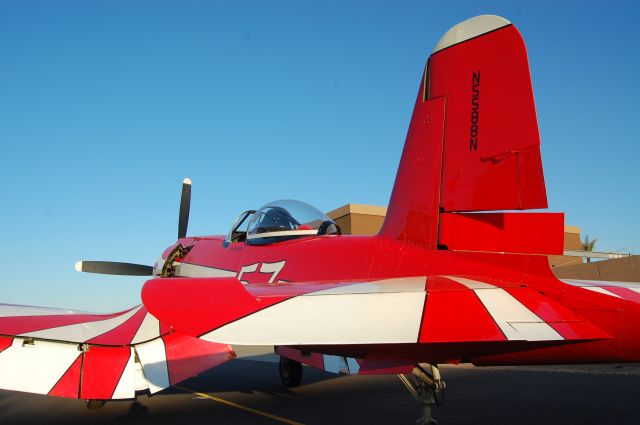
pixel 369 258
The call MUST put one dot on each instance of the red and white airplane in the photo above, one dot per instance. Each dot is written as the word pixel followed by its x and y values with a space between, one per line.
pixel 453 276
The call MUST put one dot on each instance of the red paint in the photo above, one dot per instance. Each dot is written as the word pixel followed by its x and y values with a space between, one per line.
pixel 413 209
pixel 188 356
pixel 441 172
pixel 165 328
pixel 101 371
pixel 457 316
pixel 376 364
pixel 69 385
pixel 5 342
pixel 542 306
pixel 293 289
pixel 311 359
pixel 25 324
pixel 628 342
pixel 527 233
pixel 505 171
pixel 196 306
pixel 625 293
pixel 123 334
pixel 568 324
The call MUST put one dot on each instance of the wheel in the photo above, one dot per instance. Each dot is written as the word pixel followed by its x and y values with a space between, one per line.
pixel 290 372
pixel 95 404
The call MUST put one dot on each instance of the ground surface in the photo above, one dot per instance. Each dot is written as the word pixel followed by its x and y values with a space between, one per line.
pixel 248 391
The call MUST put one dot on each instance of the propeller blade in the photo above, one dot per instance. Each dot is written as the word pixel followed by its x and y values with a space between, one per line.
pixel 111 267
pixel 185 204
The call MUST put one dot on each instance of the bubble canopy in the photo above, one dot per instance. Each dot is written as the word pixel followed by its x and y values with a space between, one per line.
pixel 287 219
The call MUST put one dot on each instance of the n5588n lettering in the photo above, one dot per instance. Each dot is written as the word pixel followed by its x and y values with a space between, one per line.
pixel 475 111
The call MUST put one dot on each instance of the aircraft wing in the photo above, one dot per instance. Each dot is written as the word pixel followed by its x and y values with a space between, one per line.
pixel 435 310
pixel 97 356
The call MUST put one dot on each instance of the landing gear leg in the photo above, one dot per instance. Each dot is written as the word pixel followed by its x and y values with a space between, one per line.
pixel 427 388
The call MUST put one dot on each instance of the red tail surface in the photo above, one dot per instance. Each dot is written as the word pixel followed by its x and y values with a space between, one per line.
pixel 473 142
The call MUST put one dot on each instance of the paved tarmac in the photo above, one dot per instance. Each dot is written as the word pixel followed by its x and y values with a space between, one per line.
pixel 248 391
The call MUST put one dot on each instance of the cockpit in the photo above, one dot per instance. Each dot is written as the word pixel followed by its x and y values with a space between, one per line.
pixel 279 221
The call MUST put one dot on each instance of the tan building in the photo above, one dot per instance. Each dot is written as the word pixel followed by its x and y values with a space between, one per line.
pixel 572 242
pixel 360 219
pixel 626 269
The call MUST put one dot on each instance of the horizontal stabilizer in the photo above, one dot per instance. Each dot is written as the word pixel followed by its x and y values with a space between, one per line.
pixel 522 233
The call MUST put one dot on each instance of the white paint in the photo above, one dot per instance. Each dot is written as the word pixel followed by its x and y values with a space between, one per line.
pixel 37 367
pixel 140 382
pixel 251 268
pixel 126 385
pixel 534 331
pixel 329 319
pixel 602 283
pixel 273 268
pixel 470 28
pixel 157 266
pixel 402 284
pixel 153 357
pixel 282 233
pixel 601 291
pixel 194 270
pixel 82 332
pixel 149 329
pixel 515 320
pixel 471 284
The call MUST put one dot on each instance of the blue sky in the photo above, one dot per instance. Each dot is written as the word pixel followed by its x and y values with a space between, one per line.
pixel 106 105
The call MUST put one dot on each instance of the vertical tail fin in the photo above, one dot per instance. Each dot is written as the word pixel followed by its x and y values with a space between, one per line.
pixel 473 141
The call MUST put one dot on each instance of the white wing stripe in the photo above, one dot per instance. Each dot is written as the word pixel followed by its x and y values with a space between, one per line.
pixel 82 332
pixel 126 386
pixel 153 357
pixel 402 284
pixel 515 320
pixel 601 291
pixel 149 329
pixel 330 319
pixel 602 283
pixel 37 367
